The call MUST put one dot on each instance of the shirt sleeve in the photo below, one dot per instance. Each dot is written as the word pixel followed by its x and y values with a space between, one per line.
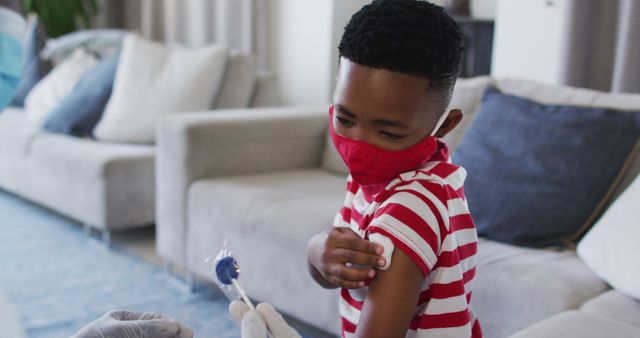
pixel 414 222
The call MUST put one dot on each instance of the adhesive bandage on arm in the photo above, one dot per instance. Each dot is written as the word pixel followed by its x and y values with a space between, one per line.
pixel 387 246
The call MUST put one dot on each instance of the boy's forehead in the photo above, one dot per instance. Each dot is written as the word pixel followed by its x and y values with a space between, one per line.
pixel 365 89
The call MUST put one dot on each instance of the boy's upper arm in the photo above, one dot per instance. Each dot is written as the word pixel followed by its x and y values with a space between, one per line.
pixel 392 299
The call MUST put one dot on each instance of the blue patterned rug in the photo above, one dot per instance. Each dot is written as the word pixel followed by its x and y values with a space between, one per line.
pixel 58 280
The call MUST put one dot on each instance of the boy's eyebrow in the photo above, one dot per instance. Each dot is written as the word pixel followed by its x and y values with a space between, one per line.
pixel 380 122
pixel 345 111
pixel 390 123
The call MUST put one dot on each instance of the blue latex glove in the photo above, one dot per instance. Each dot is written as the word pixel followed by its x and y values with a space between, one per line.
pixel 254 323
pixel 127 324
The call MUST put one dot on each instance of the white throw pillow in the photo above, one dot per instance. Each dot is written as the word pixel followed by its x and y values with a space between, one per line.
pixel 612 247
pixel 53 88
pixel 153 80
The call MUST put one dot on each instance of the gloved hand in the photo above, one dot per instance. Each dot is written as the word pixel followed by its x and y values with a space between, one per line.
pixel 127 324
pixel 254 323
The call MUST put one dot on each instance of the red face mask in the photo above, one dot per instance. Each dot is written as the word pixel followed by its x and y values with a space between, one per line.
pixel 373 167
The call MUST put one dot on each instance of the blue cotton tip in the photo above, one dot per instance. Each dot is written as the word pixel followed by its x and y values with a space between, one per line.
pixel 227 270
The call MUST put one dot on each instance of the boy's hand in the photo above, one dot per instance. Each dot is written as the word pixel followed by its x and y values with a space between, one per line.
pixel 342 258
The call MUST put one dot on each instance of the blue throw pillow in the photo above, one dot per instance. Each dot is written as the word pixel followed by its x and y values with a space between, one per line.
pixel 79 112
pixel 34 69
pixel 538 175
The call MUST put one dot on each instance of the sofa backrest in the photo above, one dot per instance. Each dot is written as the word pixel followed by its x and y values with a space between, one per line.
pixel 467 96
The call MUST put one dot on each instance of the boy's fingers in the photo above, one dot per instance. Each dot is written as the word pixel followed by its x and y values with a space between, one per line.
pixel 352 274
pixel 356 243
pixel 359 258
pixel 347 284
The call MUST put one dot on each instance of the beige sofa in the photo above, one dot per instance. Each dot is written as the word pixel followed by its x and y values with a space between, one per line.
pixel 269 180
pixel 106 186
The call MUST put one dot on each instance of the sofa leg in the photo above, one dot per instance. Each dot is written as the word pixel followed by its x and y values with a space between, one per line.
pixel 106 238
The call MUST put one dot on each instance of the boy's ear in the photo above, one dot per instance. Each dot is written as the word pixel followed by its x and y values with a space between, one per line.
pixel 452 121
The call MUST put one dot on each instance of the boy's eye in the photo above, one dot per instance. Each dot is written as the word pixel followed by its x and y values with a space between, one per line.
pixel 344 121
pixel 391 137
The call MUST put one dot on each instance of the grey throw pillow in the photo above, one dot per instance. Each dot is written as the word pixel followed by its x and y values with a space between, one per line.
pixel 540 175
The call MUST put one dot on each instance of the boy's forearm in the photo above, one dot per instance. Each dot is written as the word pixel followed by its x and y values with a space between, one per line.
pixel 313 251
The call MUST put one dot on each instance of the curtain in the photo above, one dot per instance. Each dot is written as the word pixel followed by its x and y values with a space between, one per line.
pixel 604 48
pixel 239 24
pixel 626 75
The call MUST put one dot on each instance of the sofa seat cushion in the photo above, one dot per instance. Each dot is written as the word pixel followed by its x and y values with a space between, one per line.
pixel 65 155
pixel 290 207
pixel 578 324
pixel 615 305
pixel 105 185
pixel 83 157
pixel 516 287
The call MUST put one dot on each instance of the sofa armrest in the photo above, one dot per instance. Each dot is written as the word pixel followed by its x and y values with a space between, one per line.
pixel 193 146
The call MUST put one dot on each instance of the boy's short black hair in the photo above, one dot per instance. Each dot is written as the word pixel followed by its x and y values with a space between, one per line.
pixel 406 36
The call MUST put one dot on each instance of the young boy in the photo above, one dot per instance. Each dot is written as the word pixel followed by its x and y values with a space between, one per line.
pixel 403 246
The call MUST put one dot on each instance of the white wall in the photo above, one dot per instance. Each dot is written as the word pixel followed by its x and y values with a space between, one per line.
pixel 303 46
pixel 342 12
pixel 530 40
pixel 482 9
pixel 299 40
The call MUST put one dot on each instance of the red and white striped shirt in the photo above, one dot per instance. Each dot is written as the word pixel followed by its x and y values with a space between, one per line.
pixel 425 214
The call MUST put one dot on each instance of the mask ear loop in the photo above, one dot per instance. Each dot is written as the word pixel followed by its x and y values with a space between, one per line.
pixel 440 122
